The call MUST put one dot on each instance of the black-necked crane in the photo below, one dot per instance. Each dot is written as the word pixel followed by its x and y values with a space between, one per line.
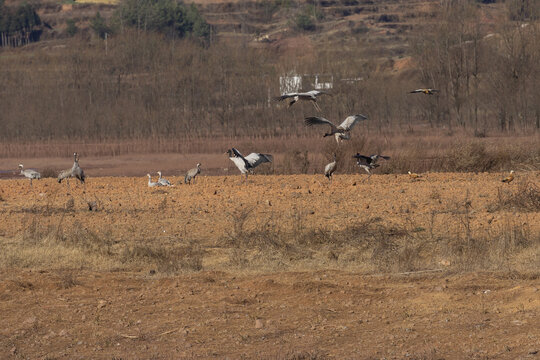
pixel 341 132
pixel 30 174
pixel 303 96
pixel 192 174
pixel 330 168
pixel 424 91
pixel 369 162
pixel 248 163
pixel 162 181
pixel 509 178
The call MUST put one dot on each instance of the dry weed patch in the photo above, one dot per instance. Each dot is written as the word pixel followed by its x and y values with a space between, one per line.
pixel 526 197
pixel 310 225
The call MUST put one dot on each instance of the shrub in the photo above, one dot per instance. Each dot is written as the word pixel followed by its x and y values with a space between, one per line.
pixel 100 27
pixel 304 22
pixel 388 18
pixel 71 28
pixel 164 16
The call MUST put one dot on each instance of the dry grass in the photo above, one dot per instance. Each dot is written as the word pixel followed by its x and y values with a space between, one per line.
pixel 377 245
pixel 58 232
pixel 420 152
pixel 524 197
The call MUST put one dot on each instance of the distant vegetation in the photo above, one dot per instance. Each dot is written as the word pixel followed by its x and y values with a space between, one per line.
pixel 163 16
pixel 19 25
pixel 151 80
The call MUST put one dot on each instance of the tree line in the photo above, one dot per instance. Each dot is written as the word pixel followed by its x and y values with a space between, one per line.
pixel 19 25
pixel 148 81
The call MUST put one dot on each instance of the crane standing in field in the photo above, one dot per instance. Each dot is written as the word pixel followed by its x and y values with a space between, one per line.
pixel 30 174
pixel 305 96
pixel 76 171
pixel 192 174
pixel 341 132
pixel 330 168
pixel 151 183
pixel 162 181
pixel 248 163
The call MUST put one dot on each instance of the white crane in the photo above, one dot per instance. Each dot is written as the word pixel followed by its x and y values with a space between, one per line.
pixel 369 162
pixel 330 168
pixel 248 163
pixel 305 96
pixel 191 174
pixel 162 181
pixel 151 183
pixel 341 132
pixel 30 174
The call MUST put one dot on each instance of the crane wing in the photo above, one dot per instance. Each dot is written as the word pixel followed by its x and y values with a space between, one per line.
pixel 350 121
pixel 238 155
pixel 317 93
pixel 362 159
pixel 285 96
pixel 255 159
pixel 315 120
pixel 376 157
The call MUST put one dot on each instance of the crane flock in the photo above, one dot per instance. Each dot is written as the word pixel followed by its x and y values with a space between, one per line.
pixel 247 164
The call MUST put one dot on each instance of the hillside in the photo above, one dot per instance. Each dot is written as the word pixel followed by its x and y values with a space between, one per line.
pixel 387 25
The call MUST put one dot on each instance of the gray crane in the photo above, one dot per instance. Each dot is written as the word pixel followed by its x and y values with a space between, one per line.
pixel 369 162
pixel 30 174
pixel 305 96
pixel 151 183
pixel 248 163
pixel 75 171
pixel 162 181
pixel 341 132
pixel 330 168
pixel 192 174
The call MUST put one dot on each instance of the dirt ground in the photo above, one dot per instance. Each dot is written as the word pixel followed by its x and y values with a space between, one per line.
pixel 304 315
pixel 68 291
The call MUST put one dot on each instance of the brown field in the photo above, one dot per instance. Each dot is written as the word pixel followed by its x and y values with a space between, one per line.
pixel 285 267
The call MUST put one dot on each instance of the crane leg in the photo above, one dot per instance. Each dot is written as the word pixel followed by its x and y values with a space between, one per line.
pixel 316 106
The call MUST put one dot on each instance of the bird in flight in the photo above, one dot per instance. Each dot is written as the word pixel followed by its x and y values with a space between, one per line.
pixel 369 162
pixel 341 132
pixel 305 96
pixel 248 163
pixel 425 91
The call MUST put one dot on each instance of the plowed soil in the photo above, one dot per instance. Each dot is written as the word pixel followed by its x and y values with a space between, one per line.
pixel 68 291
